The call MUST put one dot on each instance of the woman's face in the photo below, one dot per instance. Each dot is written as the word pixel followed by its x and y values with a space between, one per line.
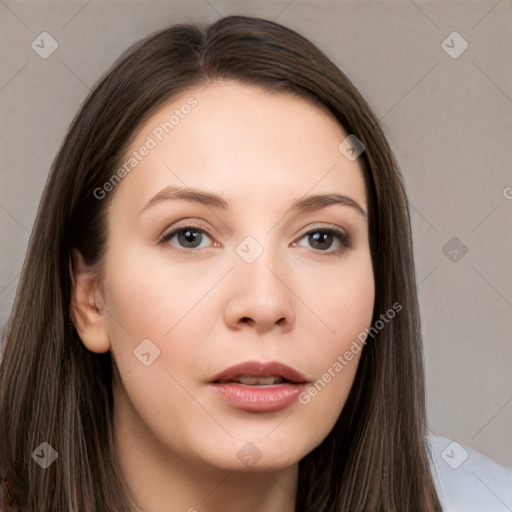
pixel 254 280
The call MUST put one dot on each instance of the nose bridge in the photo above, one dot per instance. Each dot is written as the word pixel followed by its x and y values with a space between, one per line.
pixel 259 268
pixel 263 258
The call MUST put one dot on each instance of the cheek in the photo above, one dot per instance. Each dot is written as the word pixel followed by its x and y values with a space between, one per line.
pixel 150 295
pixel 153 307
pixel 342 300
pixel 343 310
pixel 156 339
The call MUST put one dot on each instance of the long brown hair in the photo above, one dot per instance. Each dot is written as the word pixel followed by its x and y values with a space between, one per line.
pixel 52 389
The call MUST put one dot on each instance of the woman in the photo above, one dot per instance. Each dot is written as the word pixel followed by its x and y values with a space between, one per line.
pixel 218 307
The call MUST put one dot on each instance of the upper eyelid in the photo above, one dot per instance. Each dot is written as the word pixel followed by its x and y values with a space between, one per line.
pixel 326 226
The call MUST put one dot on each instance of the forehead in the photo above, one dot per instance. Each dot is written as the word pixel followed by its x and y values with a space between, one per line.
pixel 242 142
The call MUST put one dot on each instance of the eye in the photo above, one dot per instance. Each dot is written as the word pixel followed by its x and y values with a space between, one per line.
pixel 323 239
pixel 186 237
pixel 190 237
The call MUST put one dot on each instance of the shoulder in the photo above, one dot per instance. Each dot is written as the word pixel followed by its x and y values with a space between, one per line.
pixel 467 481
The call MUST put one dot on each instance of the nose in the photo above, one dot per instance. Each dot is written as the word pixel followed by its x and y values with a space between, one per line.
pixel 261 297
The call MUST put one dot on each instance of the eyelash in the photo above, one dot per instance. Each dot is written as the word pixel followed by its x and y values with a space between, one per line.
pixel 342 237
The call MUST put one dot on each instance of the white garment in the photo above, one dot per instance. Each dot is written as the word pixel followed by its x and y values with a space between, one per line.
pixel 467 481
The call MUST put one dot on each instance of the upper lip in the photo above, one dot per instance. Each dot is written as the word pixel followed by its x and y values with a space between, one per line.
pixel 261 369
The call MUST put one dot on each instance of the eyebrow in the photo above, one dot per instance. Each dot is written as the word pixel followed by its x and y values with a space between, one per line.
pixel 303 204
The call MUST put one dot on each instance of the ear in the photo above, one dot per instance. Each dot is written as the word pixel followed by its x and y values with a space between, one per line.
pixel 86 308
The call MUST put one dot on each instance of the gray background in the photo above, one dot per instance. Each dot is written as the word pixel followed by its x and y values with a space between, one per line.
pixel 448 120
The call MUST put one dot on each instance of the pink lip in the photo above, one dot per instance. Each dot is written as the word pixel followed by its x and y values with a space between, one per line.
pixel 260 369
pixel 259 399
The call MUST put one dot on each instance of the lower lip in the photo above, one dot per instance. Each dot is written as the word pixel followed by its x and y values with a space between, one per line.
pixel 256 398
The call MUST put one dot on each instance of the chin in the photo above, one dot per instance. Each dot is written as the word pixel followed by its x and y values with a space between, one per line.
pixel 259 454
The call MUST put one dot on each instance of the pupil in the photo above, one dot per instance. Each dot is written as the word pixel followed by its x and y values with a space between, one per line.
pixel 189 236
pixel 321 238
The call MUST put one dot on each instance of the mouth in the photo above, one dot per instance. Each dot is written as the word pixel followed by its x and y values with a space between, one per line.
pixel 254 373
pixel 259 387
pixel 248 380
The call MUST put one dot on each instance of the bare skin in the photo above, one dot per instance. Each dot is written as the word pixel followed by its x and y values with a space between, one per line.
pixel 299 302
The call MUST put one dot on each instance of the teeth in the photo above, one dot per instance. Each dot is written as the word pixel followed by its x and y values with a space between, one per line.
pixel 254 381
